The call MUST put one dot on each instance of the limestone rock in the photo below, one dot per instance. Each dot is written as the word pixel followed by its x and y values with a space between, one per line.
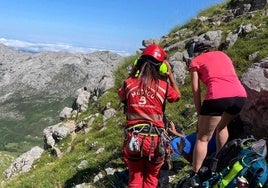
pixel 255 80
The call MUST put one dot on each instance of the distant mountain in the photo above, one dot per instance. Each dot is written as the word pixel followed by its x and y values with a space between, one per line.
pixel 31 83
pixel 36 47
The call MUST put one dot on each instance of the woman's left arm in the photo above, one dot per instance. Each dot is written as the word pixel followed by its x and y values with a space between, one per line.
pixel 196 90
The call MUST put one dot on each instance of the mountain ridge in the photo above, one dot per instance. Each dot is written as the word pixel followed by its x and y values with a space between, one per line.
pixel 46 79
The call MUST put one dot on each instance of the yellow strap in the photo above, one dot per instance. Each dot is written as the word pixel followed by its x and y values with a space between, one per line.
pixel 140 125
pixel 146 134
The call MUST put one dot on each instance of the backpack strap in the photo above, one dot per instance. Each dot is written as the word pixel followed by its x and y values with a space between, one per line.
pixel 256 168
pixel 260 175
pixel 164 103
pixel 165 119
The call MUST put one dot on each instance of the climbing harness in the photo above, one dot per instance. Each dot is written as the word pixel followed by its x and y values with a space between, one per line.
pixel 145 130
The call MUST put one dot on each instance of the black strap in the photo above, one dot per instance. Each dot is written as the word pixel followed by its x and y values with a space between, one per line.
pixel 164 103
pixel 142 141
pixel 165 120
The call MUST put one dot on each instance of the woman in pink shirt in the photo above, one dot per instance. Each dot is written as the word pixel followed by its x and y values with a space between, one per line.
pixel 224 98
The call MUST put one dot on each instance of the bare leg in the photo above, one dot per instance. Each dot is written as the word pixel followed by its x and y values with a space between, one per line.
pixel 206 127
pixel 222 131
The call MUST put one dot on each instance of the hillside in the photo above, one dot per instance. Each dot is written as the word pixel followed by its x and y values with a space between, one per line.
pixel 92 155
pixel 34 87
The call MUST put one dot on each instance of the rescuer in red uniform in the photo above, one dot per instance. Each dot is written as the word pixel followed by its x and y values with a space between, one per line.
pixel 144 93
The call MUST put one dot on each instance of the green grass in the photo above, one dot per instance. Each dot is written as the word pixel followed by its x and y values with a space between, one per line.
pixel 51 171
pixel 5 160
pixel 19 135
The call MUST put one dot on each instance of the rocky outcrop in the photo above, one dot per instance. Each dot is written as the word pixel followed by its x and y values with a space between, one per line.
pixel 23 163
pixel 79 105
pixel 55 133
pixel 54 72
pixel 56 75
pixel 255 80
pixel 241 7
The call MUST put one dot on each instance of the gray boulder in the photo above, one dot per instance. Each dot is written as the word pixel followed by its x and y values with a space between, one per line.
pixel 65 113
pixel 255 80
pixel 23 163
pixel 82 100
pixel 55 133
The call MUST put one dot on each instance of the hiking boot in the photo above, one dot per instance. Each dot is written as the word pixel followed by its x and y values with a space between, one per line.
pixel 194 181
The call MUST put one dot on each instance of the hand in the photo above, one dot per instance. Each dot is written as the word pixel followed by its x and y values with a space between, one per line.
pixel 172 126
pixel 173 130
pixel 169 71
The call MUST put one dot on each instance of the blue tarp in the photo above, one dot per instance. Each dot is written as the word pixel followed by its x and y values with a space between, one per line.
pixel 189 144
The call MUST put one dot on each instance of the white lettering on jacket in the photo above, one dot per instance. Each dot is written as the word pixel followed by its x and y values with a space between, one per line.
pixel 146 92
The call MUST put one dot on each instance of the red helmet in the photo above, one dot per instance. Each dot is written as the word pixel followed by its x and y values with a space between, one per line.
pixel 156 52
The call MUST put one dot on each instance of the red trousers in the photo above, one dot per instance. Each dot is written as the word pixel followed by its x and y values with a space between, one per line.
pixel 144 165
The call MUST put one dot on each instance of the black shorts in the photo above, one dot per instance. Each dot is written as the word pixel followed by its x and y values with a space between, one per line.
pixel 216 107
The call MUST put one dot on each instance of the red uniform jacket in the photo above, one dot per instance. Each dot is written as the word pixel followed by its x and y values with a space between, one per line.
pixel 146 106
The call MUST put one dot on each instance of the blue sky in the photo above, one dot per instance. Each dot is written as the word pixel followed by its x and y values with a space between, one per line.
pixel 116 25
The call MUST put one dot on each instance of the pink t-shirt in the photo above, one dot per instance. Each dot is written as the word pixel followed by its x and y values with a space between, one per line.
pixel 216 71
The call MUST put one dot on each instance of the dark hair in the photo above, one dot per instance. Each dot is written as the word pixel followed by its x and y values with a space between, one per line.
pixel 198 46
pixel 203 46
pixel 141 65
pixel 146 69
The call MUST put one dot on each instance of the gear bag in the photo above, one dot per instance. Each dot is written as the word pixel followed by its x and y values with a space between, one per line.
pixel 248 164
